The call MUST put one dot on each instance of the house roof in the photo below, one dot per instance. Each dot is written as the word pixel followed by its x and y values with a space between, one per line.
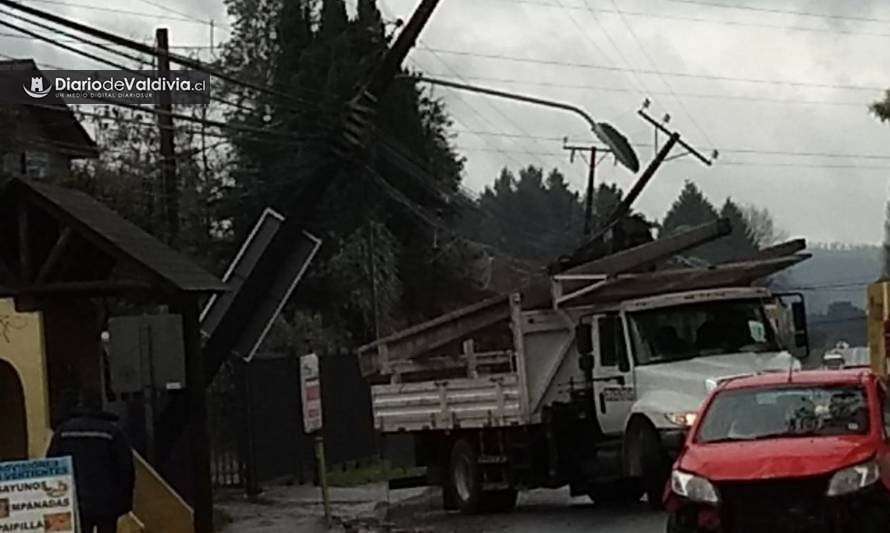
pixel 58 121
pixel 108 234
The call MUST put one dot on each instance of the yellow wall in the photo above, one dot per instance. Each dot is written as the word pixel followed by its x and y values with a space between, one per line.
pixel 21 345
pixel 158 508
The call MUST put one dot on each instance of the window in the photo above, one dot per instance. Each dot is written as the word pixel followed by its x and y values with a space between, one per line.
pixel 701 329
pixel 800 411
pixel 612 348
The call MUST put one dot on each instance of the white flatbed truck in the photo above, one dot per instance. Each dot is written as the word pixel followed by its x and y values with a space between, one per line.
pixel 592 385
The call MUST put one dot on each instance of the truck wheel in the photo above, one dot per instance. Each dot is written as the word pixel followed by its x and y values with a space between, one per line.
pixel 500 501
pixel 621 491
pixel 464 478
pixel 655 467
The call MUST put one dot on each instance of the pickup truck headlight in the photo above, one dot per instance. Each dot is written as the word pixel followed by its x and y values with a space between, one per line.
pixel 854 478
pixel 695 488
pixel 685 419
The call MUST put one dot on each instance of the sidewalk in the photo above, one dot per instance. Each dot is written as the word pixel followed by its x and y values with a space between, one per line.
pixel 298 508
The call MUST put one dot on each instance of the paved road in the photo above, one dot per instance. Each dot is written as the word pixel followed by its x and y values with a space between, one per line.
pixel 539 511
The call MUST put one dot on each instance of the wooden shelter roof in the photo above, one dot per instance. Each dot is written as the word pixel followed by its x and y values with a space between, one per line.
pixel 59 240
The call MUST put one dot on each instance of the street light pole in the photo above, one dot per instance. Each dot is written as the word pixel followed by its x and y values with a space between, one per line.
pixel 617 143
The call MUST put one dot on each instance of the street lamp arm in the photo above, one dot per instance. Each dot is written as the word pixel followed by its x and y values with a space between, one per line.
pixel 510 96
pixel 617 143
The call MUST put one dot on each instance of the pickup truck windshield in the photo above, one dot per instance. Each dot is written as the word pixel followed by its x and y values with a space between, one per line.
pixel 751 414
pixel 703 329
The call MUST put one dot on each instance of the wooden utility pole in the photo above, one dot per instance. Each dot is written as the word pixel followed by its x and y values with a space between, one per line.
pixel 594 151
pixel 170 187
pixel 199 438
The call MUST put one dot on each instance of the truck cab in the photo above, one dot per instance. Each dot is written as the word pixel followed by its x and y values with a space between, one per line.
pixel 657 358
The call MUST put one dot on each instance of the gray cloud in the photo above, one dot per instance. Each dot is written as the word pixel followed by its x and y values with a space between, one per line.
pixel 821 198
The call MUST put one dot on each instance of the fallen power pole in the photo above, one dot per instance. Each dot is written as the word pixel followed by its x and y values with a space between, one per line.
pixel 345 146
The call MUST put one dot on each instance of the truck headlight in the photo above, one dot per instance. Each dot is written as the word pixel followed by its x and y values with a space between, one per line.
pixel 685 418
pixel 854 478
pixel 695 488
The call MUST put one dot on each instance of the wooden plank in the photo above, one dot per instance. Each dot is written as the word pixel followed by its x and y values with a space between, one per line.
pixel 434 334
pixel 784 249
pixel 55 255
pixel 646 254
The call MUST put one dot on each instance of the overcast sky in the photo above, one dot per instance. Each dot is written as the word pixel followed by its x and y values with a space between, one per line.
pixel 690 57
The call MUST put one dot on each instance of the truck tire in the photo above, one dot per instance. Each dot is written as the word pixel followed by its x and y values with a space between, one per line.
pixel 655 466
pixel 464 478
pixel 621 491
pixel 500 501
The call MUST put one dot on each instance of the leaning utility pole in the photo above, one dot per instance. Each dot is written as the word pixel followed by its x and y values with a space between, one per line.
pixel 169 185
pixel 611 237
pixel 318 161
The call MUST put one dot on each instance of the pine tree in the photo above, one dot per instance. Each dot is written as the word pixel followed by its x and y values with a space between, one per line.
pixel 739 244
pixel 690 209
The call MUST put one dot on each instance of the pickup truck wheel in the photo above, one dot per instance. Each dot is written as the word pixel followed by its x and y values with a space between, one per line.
pixel 655 466
pixel 464 478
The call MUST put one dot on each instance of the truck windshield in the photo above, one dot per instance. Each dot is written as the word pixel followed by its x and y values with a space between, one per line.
pixel 751 414
pixel 710 328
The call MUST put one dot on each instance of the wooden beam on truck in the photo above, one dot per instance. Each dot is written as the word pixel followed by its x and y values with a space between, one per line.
pixel 739 274
pixel 651 252
pixel 784 249
pixel 440 331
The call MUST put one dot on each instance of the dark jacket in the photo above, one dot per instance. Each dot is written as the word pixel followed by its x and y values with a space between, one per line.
pixel 103 463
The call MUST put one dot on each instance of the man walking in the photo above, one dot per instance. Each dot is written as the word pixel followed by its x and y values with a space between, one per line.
pixel 103 464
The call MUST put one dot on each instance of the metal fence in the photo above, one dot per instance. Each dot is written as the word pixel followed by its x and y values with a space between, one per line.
pixel 256 426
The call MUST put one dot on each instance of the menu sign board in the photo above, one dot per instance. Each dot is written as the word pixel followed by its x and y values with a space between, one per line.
pixel 38 496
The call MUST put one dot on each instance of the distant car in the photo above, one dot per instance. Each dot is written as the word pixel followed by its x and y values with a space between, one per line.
pixel 786 452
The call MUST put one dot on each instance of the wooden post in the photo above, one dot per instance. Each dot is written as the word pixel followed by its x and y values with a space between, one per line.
pixel 168 158
pixel 199 438
pixel 470 353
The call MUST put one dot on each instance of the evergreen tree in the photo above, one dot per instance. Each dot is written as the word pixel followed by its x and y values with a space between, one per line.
pixel 534 219
pixel 690 209
pixel 316 56
pixel 740 244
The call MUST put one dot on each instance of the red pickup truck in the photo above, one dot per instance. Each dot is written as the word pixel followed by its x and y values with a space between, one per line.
pixel 801 451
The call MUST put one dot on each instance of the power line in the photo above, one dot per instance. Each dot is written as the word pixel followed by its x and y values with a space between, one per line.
pixel 148 50
pixel 120 11
pixel 651 61
pixel 721 162
pixel 758 9
pixel 600 88
pixel 640 82
pixel 833 155
pixel 685 18
pixel 716 77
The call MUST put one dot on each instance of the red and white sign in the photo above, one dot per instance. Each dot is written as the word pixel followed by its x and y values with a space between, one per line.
pixel 310 387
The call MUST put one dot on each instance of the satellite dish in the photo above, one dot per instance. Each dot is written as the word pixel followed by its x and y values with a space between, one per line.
pixel 619 145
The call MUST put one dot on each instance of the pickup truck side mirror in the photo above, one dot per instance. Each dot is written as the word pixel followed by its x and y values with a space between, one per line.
pixel 584 338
